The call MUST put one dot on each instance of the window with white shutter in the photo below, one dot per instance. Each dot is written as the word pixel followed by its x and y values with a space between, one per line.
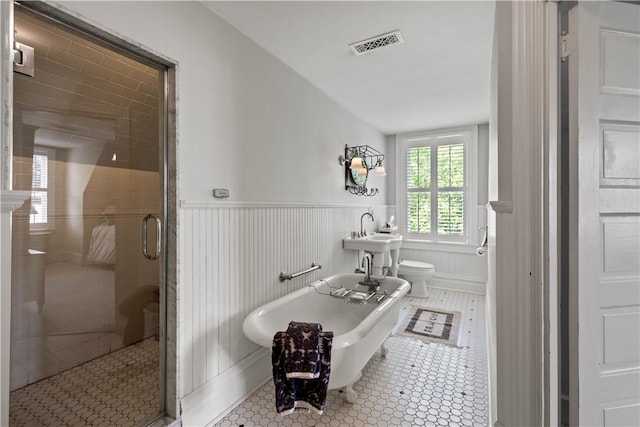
pixel 434 200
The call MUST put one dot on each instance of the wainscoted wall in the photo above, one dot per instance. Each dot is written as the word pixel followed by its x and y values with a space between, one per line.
pixel 231 255
pixel 457 267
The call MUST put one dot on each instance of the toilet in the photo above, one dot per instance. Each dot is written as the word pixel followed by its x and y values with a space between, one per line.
pixel 418 274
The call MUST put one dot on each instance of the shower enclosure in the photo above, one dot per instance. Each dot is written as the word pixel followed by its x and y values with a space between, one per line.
pixel 88 144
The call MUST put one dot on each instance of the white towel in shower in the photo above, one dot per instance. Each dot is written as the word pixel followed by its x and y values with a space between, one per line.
pixel 102 248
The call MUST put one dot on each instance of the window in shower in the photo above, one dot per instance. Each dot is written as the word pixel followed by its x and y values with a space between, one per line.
pixel 436 186
pixel 42 198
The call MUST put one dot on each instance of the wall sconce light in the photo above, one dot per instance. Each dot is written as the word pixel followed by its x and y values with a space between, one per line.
pixel 379 170
pixel 358 161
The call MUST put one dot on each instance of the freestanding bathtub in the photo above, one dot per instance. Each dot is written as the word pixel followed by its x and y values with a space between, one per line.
pixel 359 330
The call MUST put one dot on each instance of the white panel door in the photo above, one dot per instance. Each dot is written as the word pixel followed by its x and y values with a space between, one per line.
pixel 605 205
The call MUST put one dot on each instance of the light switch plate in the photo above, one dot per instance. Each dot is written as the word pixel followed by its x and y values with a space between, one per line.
pixel 220 193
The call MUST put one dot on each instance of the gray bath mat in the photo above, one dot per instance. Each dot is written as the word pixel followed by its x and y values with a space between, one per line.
pixel 431 325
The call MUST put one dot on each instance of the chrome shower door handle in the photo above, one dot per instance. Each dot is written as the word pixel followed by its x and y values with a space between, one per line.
pixel 145 250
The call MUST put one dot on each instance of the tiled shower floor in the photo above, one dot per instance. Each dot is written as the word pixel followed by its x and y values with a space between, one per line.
pixel 417 384
pixel 119 389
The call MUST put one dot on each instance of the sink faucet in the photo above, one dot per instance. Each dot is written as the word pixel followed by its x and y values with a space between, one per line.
pixel 362 232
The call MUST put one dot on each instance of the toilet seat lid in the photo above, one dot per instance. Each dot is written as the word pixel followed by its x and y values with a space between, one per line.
pixel 415 265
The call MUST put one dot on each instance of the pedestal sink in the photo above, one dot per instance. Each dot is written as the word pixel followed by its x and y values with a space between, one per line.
pixel 378 245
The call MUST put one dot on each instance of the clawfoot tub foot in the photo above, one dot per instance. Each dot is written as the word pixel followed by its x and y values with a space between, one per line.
pixel 383 350
pixel 351 395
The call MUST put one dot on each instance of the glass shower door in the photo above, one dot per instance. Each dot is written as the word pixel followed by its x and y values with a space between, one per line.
pixel 85 300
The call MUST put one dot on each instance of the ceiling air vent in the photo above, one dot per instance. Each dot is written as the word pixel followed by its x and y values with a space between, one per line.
pixel 373 43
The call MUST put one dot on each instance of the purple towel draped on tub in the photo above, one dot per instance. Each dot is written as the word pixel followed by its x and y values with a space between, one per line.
pixel 309 394
pixel 302 358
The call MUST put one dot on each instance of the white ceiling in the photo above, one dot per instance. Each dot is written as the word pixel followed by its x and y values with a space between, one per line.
pixel 438 77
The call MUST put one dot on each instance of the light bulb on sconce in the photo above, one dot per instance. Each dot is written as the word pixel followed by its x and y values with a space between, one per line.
pixel 379 170
pixel 362 171
pixel 356 163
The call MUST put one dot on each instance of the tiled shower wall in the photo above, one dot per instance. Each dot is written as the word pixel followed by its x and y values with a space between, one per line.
pixel 107 104
pixel 230 261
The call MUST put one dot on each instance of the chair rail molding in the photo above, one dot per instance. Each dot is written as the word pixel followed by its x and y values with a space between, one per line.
pixel 12 200
pixel 500 206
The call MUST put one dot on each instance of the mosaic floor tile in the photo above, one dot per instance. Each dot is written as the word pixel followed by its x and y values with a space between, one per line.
pixel 119 389
pixel 417 384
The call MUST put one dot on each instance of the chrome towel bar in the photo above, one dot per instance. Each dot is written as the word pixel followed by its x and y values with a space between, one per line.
pixel 288 276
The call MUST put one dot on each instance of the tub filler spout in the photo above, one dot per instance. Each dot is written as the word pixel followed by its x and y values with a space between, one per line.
pixel 372 284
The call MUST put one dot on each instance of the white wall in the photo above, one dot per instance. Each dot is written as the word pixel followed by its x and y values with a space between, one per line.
pixel 484 132
pixel 390 163
pixel 246 122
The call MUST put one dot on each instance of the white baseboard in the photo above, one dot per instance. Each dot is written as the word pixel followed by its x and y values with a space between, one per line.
pixel 491 361
pixel 208 404
pixel 453 282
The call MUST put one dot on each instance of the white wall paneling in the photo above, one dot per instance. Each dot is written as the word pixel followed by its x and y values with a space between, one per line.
pixel 231 258
pixel 456 268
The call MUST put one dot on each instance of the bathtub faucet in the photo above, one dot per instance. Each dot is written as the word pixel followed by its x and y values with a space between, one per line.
pixel 372 284
pixel 362 232
pixel 366 262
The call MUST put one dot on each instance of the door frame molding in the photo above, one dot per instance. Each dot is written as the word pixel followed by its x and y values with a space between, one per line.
pixel 6 138
pixel 551 221
pixel 170 197
pixel 523 242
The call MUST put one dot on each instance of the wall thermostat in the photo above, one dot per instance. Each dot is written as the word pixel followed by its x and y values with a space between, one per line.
pixel 220 193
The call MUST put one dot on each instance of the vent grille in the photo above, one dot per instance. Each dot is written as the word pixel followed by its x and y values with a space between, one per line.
pixel 377 42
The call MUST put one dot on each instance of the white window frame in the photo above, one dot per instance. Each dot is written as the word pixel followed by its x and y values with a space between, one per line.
pixel 51 156
pixel 430 138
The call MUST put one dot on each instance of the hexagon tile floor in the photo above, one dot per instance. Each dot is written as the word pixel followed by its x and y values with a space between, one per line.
pixel 119 389
pixel 417 384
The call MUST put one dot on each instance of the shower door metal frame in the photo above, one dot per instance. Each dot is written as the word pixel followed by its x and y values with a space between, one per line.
pixel 169 197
